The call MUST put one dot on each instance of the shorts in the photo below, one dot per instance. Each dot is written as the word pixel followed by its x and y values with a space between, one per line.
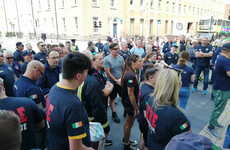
pixel 130 112
pixel 116 90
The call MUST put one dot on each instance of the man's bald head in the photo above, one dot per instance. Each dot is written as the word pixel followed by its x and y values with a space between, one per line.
pixel 88 54
pixel 34 63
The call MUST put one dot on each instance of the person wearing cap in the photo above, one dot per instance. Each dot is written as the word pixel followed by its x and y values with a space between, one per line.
pixel 167 46
pixel 74 47
pixel 106 46
pixel 18 53
pixel 99 45
pixel 29 47
pixel 7 74
pixel 203 56
pixel 221 89
pixel 28 57
pixel 164 117
pixel 191 141
pixel 171 57
pixel 51 73
pixel 8 55
pixel 41 56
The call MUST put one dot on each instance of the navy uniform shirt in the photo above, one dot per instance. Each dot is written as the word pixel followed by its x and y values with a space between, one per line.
pixel 146 90
pixel 129 81
pixel 129 46
pixel 125 55
pixel 216 54
pixel 99 46
pixel 186 75
pixel 167 47
pixel 171 59
pixel 25 87
pixel 182 46
pixel 106 50
pixel 18 56
pixel 23 67
pixel 40 57
pixel 49 78
pixel 16 68
pixel 93 99
pixel 7 74
pixel 164 123
pixel 100 77
pixel 29 115
pixel 66 118
pixel 205 61
pixel 222 81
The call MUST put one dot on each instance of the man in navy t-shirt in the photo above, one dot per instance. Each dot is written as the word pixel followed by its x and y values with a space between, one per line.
pixel 67 120
pixel 18 53
pixel 51 73
pixel 124 52
pixel 203 56
pixel 8 55
pixel 167 46
pixel 171 58
pixel 29 113
pixel 99 45
pixel 221 89
pixel 26 86
pixel 28 56
pixel 41 56
pixel 7 74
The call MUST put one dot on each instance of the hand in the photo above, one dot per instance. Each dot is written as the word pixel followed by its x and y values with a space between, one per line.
pixel 136 113
pixel 106 135
pixel 118 81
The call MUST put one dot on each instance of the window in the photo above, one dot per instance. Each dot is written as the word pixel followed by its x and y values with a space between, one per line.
pixel 131 26
pixel 151 4
pixel 167 6
pixel 173 8
pixel 159 5
pixel 76 23
pixel 198 11
pixel 64 25
pixel 39 5
pixel 48 4
pixel 74 2
pixel 193 11
pixel 52 22
pixel 62 3
pixel 184 9
pixel 201 12
pixel 95 3
pixel 131 2
pixel 95 30
pixel 189 10
pixel 112 4
pixel 141 3
pixel 179 9
pixel 141 26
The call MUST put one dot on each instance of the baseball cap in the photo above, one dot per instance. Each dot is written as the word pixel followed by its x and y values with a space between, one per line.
pixel 109 39
pixel 226 46
pixel 191 141
pixel 73 40
pixel 18 44
pixel 26 52
pixel 174 45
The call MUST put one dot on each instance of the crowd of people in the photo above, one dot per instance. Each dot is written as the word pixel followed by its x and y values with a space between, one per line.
pixel 58 91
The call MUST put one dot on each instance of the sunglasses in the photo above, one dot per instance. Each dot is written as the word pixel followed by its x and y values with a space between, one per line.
pixel 39 70
pixel 42 45
pixel 9 57
pixel 179 71
pixel 115 49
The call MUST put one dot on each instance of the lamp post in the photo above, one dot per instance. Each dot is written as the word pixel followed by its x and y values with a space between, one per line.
pixel 55 9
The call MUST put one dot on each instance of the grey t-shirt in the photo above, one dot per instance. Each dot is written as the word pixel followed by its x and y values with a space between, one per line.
pixel 115 65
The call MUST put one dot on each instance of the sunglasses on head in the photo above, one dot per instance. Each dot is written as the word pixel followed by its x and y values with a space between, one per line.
pixel 179 71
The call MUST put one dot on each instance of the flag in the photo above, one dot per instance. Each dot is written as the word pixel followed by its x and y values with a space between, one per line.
pixel 130 81
pixel 182 127
pixel 33 96
pixel 77 125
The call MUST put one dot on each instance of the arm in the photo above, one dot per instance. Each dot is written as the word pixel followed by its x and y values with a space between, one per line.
pixel 133 100
pixel 107 71
pixel 42 84
pixel 40 125
pixel 228 73
pixel 108 88
pixel 77 144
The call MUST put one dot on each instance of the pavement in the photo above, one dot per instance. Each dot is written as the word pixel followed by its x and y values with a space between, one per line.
pixel 198 111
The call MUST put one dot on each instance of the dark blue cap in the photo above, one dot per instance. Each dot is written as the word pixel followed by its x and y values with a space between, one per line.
pixel 174 45
pixel 191 141
pixel 226 46
pixel 26 52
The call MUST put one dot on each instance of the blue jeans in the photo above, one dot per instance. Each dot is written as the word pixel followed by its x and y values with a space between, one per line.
pixel 184 95
pixel 198 71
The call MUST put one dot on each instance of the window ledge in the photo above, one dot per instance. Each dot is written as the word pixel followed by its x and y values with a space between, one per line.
pixel 96 6
pixel 114 8
pixel 74 6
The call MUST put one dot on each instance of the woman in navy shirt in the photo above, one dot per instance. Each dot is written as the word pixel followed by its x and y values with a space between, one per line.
pixel 150 58
pixel 147 88
pixel 130 91
pixel 164 117
pixel 187 77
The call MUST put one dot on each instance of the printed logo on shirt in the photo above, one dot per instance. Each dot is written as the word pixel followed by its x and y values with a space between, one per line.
pixel 214 147
pixel 1 71
pixel 41 59
pixel 10 68
pixel 185 125
pixel 23 118
pixel 33 96
pixel 130 81
pixel 206 49
pixel 77 125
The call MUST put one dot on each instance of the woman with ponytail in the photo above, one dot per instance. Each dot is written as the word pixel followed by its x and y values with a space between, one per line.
pixel 130 91
pixel 186 77
pixel 150 58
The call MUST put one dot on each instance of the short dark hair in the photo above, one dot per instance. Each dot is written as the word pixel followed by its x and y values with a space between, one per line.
pixel 52 50
pixel 53 46
pixel 113 45
pixel 90 43
pixel 39 43
pixel 68 42
pixel 74 63
pixel 10 130
pixel 61 45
